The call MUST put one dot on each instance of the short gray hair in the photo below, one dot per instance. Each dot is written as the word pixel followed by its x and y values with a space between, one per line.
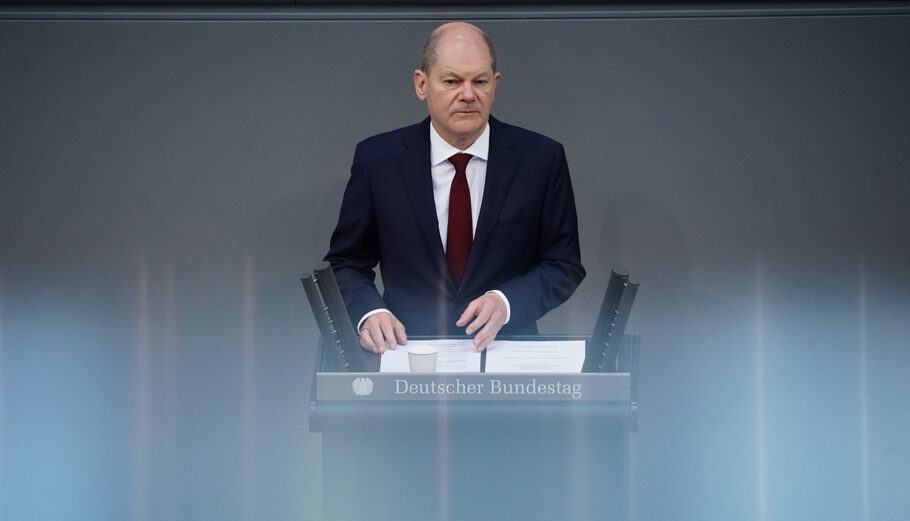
pixel 430 45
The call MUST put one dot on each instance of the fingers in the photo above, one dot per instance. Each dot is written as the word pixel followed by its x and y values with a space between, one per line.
pixel 486 336
pixel 366 339
pixel 483 315
pixel 382 331
pixel 400 335
pixel 388 335
pixel 468 313
pixel 490 314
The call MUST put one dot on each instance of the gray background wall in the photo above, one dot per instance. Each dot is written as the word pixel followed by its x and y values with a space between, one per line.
pixel 165 179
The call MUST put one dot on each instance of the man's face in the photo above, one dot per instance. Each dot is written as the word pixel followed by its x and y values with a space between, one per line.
pixel 458 88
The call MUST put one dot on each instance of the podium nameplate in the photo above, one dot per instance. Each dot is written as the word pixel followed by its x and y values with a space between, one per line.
pixel 572 388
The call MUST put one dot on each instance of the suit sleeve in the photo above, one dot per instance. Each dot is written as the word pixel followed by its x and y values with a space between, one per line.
pixel 354 247
pixel 557 271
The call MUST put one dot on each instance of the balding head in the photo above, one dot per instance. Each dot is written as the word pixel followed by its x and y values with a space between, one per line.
pixel 454 33
pixel 458 82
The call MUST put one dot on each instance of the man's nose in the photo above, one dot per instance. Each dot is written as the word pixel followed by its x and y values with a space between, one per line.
pixel 467 91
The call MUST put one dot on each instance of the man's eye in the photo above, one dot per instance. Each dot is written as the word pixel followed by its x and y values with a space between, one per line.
pixel 481 82
pixel 449 82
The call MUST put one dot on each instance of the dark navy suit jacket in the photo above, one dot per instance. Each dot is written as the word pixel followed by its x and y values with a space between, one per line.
pixel 525 242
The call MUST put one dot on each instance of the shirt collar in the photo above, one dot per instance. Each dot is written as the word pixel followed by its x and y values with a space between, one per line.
pixel 441 151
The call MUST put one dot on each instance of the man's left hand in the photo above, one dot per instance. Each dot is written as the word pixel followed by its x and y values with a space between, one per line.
pixel 490 312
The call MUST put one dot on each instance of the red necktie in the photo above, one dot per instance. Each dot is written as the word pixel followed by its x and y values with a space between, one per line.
pixel 460 234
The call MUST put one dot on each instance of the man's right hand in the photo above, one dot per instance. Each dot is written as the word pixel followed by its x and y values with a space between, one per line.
pixel 381 331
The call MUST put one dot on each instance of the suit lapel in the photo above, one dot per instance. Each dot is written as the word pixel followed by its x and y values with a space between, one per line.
pixel 501 168
pixel 414 166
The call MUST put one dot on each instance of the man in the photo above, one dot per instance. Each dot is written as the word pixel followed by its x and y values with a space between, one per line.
pixel 472 221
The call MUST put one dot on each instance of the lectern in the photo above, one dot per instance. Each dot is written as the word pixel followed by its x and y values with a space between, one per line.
pixel 475 446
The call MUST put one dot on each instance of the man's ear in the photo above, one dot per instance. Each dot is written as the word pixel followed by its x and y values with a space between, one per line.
pixel 420 84
pixel 495 83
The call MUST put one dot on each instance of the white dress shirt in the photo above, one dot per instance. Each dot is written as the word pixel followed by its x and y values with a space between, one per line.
pixel 443 172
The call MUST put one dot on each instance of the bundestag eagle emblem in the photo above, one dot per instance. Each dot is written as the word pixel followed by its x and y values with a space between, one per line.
pixel 362 386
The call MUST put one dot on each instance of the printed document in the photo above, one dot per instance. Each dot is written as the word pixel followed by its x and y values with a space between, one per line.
pixel 538 356
pixel 455 356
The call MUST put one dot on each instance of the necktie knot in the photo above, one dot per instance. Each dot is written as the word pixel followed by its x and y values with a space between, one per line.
pixel 460 161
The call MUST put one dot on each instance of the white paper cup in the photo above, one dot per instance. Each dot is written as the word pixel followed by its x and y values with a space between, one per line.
pixel 422 358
